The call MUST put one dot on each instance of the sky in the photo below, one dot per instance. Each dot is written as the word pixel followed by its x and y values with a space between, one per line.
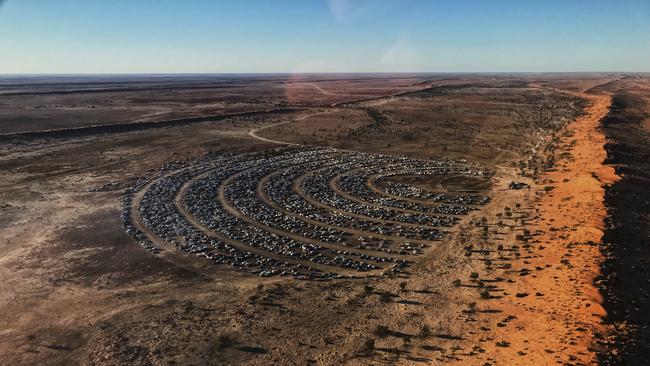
pixel 284 36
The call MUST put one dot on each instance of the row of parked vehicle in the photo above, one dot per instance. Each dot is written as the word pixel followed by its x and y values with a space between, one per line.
pixel 385 182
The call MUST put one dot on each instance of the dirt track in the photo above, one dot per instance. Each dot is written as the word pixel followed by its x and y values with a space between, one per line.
pixel 253 132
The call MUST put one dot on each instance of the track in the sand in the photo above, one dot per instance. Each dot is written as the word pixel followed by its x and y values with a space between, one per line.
pixel 301 211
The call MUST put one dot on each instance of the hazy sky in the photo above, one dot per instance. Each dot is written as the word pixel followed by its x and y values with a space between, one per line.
pixel 194 36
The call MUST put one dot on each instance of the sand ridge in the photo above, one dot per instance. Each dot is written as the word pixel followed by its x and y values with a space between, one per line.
pixel 555 313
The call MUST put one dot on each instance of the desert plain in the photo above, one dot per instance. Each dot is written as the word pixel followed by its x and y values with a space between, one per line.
pixel 331 219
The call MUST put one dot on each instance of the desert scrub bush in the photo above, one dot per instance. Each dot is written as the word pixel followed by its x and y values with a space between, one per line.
pixel 402 286
pixel 381 331
pixel 367 347
pixel 485 294
pixel 471 308
pixel 224 341
pixel 367 289
pixel 385 297
pixel 425 331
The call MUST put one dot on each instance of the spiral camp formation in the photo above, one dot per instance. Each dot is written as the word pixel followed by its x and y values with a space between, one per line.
pixel 306 212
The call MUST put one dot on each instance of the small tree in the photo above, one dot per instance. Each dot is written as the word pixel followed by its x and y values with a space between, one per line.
pixel 224 341
pixel 381 331
pixel 368 346
pixel 402 286
pixel 367 290
pixel 385 297
pixel 425 331
pixel 471 307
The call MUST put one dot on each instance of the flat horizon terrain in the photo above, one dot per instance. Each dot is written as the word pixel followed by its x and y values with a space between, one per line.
pixel 325 219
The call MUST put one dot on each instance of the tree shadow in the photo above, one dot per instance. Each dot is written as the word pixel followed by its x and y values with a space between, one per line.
pixel 432 348
pixel 418 359
pixel 409 302
pixel 449 337
pixel 252 349
pixel 392 350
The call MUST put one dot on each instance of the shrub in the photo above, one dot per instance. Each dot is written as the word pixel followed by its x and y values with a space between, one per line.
pixel 381 331
pixel 485 294
pixel 385 297
pixel 425 331
pixel 368 346
pixel 471 307
pixel 367 289
pixel 402 286
pixel 224 341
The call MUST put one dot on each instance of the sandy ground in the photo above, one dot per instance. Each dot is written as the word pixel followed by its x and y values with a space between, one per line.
pixel 549 309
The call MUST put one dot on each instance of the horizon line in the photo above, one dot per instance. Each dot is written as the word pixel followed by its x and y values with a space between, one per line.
pixel 316 73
